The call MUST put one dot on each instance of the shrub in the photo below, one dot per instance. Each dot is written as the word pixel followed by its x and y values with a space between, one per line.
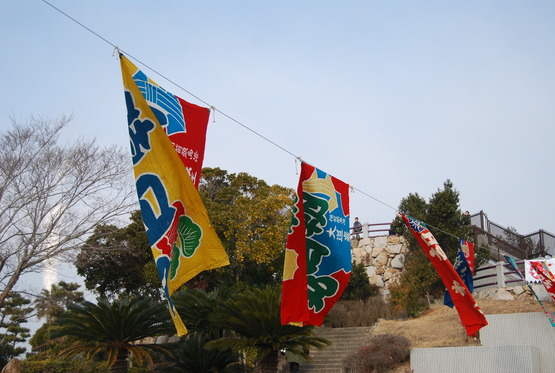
pixel 398 346
pixel 359 287
pixel 405 301
pixel 348 313
pixel 408 296
pixel 56 366
pixel 382 353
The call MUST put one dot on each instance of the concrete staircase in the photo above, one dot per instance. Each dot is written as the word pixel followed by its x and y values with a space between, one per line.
pixel 345 341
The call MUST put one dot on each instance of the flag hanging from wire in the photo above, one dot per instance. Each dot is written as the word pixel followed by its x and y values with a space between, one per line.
pixel 318 250
pixel 532 275
pixel 184 123
pixel 514 266
pixel 546 277
pixel 464 265
pixel 182 240
pixel 470 314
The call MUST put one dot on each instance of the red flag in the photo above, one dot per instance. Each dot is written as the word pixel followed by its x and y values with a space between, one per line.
pixel 184 123
pixel 468 250
pixel 318 251
pixel 546 276
pixel 470 314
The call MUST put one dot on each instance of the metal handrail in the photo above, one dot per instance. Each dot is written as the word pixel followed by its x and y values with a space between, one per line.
pixel 365 230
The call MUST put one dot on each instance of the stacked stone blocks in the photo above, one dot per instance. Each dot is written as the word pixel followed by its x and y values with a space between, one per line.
pixel 383 257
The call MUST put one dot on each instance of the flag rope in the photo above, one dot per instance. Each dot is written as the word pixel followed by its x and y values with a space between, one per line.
pixel 214 109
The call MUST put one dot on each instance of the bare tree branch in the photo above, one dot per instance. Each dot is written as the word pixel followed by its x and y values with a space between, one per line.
pixel 52 195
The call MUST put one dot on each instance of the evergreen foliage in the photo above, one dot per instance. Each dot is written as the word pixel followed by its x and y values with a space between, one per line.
pixel 52 303
pixel 56 366
pixel 13 313
pixel 253 318
pixel 117 261
pixel 190 356
pixel 444 218
pixel 197 307
pixel 251 218
pixel 359 287
pixel 115 329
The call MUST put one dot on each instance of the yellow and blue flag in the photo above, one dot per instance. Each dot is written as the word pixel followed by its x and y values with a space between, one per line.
pixel 182 240
pixel 184 123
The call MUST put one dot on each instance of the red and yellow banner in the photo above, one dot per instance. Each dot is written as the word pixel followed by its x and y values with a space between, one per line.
pixel 184 123
pixel 182 240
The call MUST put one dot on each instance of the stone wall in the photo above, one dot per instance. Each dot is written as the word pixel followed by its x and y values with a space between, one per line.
pixel 383 257
pixel 512 293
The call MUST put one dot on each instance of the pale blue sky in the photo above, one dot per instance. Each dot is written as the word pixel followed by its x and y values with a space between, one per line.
pixel 392 97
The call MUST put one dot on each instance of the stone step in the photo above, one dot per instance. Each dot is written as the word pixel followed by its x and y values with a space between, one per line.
pixel 345 341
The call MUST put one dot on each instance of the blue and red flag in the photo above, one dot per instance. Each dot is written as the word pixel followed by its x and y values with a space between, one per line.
pixel 472 318
pixel 318 252
pixel 464 265
pixel 184 123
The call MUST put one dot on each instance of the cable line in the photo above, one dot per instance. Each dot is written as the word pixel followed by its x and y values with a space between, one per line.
pixel 213 108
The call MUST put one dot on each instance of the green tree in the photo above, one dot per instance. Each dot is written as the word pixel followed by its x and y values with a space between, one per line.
pixel 359 287
pixel 13 313
pixel 49 305
pixel 196 307
pixel 115 328
pixel 253 318
pixel 52 303
pixel 443 216
pixel 117 261
pixel 251 218
pixel 526 244
pixel 190 356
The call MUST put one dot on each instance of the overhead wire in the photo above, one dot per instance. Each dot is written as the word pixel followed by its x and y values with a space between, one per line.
pixel 171 81
pixel 215 109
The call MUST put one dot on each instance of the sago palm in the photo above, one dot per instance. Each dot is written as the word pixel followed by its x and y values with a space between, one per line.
pixel 190 356
pixel 114 329
pixel 196 307
pixel 253 317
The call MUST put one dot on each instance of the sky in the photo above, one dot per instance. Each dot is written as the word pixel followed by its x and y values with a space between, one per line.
pixel 392 97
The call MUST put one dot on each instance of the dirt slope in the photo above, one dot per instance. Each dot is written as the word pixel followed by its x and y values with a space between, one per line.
pixel 440 326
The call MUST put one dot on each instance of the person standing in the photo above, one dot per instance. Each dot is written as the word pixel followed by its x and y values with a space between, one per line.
pixel 294 361
pixel 357 229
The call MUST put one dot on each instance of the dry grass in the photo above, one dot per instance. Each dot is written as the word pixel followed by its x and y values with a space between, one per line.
pixel 440 325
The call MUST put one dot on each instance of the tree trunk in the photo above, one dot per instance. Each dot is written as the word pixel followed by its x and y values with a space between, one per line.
pixel 9 286
pixel 269 364
pixel 120 365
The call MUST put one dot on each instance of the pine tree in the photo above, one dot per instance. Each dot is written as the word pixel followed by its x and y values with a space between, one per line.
pixel 444 218
pixel 13 313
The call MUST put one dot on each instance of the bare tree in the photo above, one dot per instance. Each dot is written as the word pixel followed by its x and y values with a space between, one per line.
pixel 52 195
